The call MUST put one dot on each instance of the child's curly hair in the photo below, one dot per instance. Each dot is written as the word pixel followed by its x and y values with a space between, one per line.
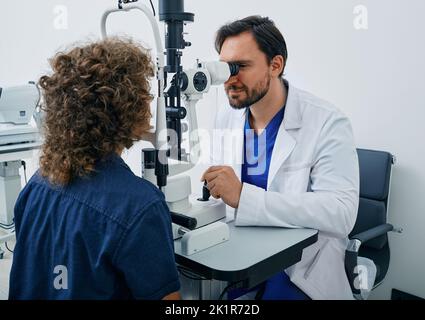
pixel 96 103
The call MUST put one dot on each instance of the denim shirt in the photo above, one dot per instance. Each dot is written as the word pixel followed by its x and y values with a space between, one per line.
pixel 105 236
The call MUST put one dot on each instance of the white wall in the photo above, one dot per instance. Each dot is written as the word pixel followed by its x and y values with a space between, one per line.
pixel 375 75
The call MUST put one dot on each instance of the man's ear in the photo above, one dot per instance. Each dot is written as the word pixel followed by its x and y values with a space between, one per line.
pixel 278 65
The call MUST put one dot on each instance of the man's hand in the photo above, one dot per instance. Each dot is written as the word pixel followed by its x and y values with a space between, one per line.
pixel 223 183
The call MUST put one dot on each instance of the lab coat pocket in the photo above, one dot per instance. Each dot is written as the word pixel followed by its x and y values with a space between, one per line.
pixel 293 180
pixel 326 273
pixel 316 259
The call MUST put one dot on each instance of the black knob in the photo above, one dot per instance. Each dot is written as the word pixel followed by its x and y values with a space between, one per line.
pixel 205 193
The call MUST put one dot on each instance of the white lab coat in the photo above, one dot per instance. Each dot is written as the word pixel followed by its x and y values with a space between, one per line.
pixel 313 182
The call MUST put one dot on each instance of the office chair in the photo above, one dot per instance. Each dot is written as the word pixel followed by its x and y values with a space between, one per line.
pixel 368 252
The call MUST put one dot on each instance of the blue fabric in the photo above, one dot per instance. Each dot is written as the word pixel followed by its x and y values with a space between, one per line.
pixel 255 170
pixel 111 231
pixel 236 293
pixel 280 287
pixel 258 151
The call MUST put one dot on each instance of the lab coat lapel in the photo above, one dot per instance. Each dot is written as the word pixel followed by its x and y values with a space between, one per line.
pixel 283 147
pixel 235 150
pixel 285 143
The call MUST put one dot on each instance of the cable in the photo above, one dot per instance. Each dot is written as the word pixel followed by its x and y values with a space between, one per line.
pixel 39 95
pixel 25 171
pixel 7 226
pixel 153 8
pixel 7 247
pixel 184 274
pixel 189 274
pixel 120 3
pixel 233 284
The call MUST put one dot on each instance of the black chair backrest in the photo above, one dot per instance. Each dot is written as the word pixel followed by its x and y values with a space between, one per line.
pixel 375 173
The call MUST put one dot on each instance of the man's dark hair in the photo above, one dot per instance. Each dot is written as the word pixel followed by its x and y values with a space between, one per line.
pixel 269 39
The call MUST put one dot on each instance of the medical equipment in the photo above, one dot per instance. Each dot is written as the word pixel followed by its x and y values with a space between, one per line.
pixel 17 138
pixel 17 106
pixel 164 164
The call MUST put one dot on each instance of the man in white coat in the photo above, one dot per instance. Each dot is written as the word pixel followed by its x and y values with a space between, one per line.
pixel 304 170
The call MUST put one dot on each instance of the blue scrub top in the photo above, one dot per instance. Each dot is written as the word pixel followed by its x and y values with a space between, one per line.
pixel 258 151
pixel 106 236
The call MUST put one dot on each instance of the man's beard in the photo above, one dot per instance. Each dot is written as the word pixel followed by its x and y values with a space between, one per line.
pixel 252 96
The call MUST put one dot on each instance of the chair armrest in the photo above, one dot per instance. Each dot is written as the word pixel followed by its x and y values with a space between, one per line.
pixel 350 265
pixel 371 234
pixel 353 248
